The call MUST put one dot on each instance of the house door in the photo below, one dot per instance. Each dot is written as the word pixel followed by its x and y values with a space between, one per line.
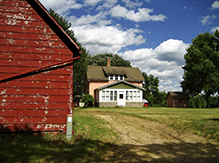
pixel 121 99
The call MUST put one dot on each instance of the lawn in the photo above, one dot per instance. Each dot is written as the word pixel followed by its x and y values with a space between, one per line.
pixel 204 122
pixel 93 139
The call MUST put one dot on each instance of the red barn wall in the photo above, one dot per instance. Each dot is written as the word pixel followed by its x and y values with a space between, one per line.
pixel 169 101
pixel 38 102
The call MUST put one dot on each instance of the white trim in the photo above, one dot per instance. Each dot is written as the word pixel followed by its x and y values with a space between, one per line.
pixel 116 77
pixel 134 95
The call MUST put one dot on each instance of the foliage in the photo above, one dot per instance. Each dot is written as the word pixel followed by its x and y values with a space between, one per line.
pixel 88 100
pixel 152 94
pixel 101 60
pixel 201 72
pixel 198 101
pixel 80 65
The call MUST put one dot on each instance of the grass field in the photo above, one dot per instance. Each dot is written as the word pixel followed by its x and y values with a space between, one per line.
pixel 203 122
pixel 92 138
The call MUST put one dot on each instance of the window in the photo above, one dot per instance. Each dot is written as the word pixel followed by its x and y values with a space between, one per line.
pixel 115 95
pixel 109 95
pixel 116 77
pixel 133 96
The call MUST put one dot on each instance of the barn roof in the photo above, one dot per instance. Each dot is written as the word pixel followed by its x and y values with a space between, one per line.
pixel 102 72
pixel 178 95
pixel 60 32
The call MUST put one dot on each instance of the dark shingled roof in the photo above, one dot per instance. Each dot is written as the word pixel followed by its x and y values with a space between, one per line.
pixel 102 72
pixel 178 95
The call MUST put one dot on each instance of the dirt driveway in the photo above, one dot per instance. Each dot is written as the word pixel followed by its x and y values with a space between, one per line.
pixel 142 140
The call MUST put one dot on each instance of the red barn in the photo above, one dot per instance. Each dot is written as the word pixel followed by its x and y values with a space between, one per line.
pixel 177 99
pixel 36 72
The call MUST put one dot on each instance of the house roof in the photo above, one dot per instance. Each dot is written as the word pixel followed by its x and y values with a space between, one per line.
pixel 102 72
pixel 178 95
pixel 52 23
pixel 119 82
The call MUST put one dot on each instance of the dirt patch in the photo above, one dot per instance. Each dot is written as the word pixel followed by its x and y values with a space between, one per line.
pixel 146 140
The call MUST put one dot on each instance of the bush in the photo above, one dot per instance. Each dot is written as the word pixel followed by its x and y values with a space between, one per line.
pixel 88 100
pixel 198 102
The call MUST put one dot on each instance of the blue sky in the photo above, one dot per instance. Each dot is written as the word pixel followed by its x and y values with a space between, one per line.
pixel 152 34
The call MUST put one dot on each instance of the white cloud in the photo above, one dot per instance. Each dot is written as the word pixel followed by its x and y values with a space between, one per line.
pixel 102 39
pixel 164 62
pixel 215 5
pixel 214 29
pixel 131 4
pixel 89 19
pixel 92 2
pixel 141 15
pixel 61 7
pixel 206 20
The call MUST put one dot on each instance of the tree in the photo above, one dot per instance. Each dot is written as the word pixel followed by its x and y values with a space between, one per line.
pixel 201 70
pixel 151 85
pixel 101 60
pixel 80 65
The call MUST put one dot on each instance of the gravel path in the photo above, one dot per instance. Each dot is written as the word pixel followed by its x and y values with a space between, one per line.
pixel 142 140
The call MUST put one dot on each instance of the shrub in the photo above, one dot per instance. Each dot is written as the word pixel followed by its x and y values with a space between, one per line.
pixel 198 101
pixel 88 100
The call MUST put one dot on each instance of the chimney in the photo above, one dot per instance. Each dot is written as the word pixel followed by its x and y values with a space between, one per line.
pixel 108 62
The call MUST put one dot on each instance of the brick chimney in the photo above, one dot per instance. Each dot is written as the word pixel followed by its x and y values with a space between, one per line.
pixel 108 62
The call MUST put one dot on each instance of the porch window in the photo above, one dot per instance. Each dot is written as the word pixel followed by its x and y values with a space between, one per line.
pixel 109 95
pixel 133 96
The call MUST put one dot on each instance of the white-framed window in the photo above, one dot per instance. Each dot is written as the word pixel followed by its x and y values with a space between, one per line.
pixel 116 77
pixel 111 95
pixel 133 95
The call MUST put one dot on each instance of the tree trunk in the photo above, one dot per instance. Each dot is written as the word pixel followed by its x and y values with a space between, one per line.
pixel 207 97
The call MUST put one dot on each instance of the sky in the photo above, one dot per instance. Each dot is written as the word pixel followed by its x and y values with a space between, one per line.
pixel 152 34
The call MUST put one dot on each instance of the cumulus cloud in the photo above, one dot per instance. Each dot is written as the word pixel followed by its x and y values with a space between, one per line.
pixel 214 29
pixel 215 5
pixel 143 14
pixel 102 39
pixel 61 7
pixel 164 62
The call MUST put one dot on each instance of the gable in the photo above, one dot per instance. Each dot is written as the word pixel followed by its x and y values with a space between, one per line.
pixel 122 86
pixel 34 99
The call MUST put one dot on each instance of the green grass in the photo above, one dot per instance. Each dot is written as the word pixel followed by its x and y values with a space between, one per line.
pixel 93 139
pixel 204 122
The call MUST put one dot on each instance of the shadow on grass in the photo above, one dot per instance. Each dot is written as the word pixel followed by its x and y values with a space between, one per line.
pixel 35 148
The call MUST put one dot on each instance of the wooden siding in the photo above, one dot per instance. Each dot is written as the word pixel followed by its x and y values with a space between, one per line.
pixel 36 102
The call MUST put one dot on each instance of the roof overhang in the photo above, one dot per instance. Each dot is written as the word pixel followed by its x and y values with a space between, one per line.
pixel 125 82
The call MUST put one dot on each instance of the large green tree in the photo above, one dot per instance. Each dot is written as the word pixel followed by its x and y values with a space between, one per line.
pixel 101 60
pixel 151 85
pixel 80 65
pixel 201 70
